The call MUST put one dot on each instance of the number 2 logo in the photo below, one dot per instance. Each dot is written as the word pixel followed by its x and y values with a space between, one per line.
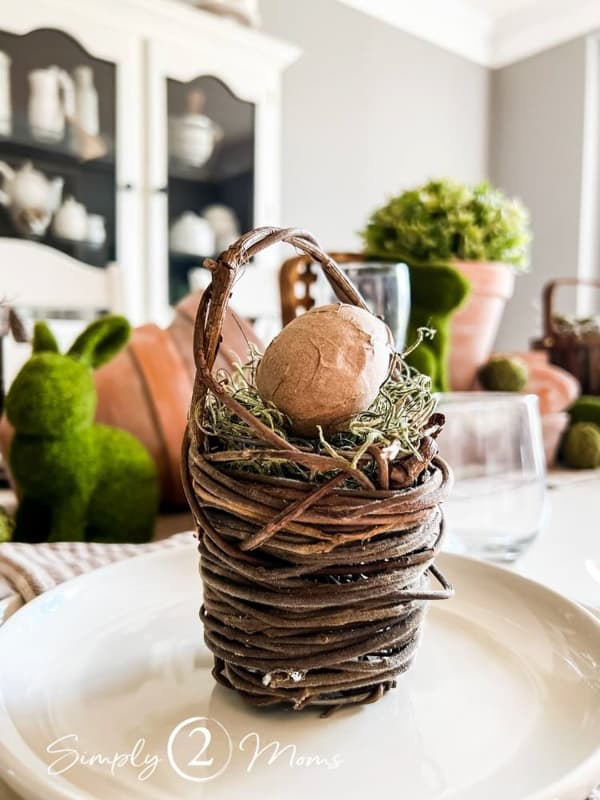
pixel 202 766
pixel 197 760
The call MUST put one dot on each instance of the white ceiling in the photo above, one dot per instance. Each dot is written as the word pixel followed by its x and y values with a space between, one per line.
pixel 500 8
pixel 490 32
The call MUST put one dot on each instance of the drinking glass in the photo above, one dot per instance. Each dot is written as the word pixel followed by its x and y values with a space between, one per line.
pixel 385 288
pixel 493 443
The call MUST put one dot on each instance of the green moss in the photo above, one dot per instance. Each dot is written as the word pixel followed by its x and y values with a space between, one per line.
pixel 78 480
pixel 586 409
pixel 436 292
pixel 581 446
pixel 444 220
pixel 504 374
pixel 7 525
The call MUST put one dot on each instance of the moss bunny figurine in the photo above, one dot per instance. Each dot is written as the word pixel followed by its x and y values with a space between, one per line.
pixel 78 480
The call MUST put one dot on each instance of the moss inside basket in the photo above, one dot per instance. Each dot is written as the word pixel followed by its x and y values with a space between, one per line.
pixel 398 419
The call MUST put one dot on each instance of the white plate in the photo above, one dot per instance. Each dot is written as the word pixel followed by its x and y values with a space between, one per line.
pixel 503 702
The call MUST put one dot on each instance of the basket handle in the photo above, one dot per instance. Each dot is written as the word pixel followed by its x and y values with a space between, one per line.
pixel 226 267
pixel 548 299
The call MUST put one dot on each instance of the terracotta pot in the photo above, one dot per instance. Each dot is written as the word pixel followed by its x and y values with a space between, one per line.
pixel 473 328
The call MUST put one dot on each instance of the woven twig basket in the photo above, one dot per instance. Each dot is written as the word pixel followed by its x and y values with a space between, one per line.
pixel 314 593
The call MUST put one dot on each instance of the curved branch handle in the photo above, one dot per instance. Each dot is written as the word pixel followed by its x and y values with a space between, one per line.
pixel 548 299
pixel 225 270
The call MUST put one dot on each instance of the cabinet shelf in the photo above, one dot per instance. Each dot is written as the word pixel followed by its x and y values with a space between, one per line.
pixel 58 154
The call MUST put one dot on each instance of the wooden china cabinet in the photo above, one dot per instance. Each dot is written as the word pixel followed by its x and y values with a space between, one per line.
pixel 175 111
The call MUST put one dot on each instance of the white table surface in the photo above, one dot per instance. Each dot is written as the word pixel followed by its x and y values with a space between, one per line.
pixel 560 554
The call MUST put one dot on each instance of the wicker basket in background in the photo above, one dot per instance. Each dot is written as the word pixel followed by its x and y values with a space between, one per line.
pixel 314 593
pixel 578 353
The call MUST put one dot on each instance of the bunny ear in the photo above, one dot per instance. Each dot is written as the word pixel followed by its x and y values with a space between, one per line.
pixel 101 340
pixel 43 339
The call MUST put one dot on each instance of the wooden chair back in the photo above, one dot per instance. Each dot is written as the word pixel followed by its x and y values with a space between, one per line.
pixel 297 277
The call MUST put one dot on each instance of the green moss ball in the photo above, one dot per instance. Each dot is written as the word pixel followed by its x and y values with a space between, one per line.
pixel 586 409
pixel 581 446
pixel 503 374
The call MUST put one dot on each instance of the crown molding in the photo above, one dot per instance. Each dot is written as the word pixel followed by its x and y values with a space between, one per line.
pixel 483 38
pixel 451 24
pixel 540 27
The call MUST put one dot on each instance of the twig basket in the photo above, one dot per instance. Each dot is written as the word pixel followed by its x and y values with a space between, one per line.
pixel 578 353
pixel 314 592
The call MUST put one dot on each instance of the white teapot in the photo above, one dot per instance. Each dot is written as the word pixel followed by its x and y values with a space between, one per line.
pixel 30 196
pixel 193 136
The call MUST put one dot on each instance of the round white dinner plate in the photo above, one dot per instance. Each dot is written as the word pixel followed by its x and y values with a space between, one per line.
pixel 106 692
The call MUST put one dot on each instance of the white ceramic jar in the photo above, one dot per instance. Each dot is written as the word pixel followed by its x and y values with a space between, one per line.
pixel 71 221
pixel 192 235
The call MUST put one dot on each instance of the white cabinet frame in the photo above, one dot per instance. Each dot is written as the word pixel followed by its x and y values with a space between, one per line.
pixel 149 41
pixel 93 30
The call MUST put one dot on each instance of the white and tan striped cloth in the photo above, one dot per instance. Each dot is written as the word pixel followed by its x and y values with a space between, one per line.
pixel 30 569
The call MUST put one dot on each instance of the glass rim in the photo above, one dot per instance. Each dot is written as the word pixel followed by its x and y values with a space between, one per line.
pixel 378 266
pixel 481 397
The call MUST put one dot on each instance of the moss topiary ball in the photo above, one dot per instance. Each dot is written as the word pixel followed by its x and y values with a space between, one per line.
pixel 325 366
pixel 581 446
pixel 586 409
pixel 503 374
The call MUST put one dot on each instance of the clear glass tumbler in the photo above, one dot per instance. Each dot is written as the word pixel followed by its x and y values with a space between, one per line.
pixel 493 442
pixel 385 287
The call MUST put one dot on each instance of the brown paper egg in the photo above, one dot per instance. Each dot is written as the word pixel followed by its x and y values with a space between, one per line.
pixel 325 366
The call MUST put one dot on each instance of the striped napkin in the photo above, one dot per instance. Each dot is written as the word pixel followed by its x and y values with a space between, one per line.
pixel 30 569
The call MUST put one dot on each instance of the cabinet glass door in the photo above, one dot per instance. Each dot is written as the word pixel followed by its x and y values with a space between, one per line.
pixel 58 180
pixel 211 175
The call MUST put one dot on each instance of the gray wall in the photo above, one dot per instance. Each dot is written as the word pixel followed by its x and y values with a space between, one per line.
pixel 536 153
pixel 367 111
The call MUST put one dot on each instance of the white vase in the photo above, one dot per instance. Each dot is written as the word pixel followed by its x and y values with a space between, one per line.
pixel 5 103
pixel 71 221
pixel 86 100
pixel 51 101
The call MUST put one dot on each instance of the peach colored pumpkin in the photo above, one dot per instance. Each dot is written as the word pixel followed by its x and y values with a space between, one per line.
pixel 556 388
pixel 473 328
pixel 146 390
pixel 237 334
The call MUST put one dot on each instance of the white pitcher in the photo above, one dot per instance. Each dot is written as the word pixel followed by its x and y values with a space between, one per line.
pixel 5 104
pixel 51 101
pixel 86 100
